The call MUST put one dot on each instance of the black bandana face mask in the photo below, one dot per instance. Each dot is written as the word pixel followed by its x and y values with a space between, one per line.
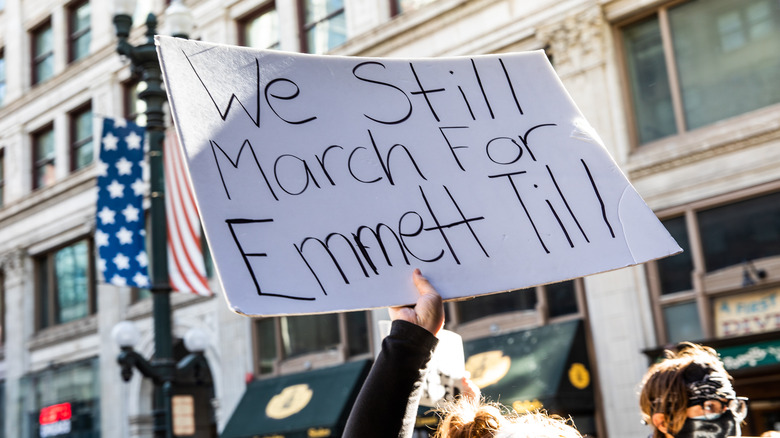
pixel 724 426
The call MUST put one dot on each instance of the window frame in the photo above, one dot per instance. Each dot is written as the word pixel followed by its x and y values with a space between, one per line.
pixel 2 177
pixel 516 320
pixel 707 286
pixel 2 311
pixel 130 102
pixel 32 400
pixel 323 358
pixel 75 144
pixel 37 59
pixel 661 12
pixel 243 23
pixel 51 319
pixel 37 162
pixel 74 34
pixel 3 78
pixel 304 27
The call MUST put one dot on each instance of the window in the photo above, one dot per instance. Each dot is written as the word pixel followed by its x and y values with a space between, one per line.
pixel 324 25
pixel 717 238
pixel 2 77
pixel 66 388
pixel 65 284
pixel 81 148
pixel 2 382
pixel 43 53
pixel 134 107
pixel 675 272
pixel 561 299
pixel 260 30
pixel 682 322
pixel 309 333
pixel 79 30
pixel 293 337
pixel 717 67
pixel 2 177
pixel 742 231
pixel 488 305
pixel 43 158
pixel 2 315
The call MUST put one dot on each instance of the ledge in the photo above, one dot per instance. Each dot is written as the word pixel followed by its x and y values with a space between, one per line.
pixel 64 332
pixel 741 132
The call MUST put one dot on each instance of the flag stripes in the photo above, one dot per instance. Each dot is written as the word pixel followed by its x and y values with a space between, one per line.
pixel 186 268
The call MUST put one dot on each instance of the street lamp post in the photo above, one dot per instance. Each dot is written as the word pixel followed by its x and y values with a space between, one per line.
pixel 162 374
pixel 162 368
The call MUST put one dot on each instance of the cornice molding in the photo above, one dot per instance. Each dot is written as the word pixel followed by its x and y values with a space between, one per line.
pixel 577 42
pixel 697 155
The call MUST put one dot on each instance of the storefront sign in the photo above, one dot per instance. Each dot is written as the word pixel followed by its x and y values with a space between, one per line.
pixel 55 420
pixel 318 432
pixel 322 181
pixel 524 406
pixel 183 407
pixel 579 376
pixel 745 314
pixel 290 401
pixel 750 356
pixel 488 367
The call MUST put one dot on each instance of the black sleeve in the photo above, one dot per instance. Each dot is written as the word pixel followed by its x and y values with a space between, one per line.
pixel 388 401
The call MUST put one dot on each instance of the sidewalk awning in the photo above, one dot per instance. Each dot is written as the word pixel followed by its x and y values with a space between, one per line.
pixel 313 404
pixel 545 367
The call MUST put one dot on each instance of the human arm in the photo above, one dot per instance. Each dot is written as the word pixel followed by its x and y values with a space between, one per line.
pixel 387 403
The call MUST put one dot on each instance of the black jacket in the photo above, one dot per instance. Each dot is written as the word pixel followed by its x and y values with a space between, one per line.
pixel 388 401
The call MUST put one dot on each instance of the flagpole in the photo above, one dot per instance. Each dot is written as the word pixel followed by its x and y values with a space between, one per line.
pixel 162 367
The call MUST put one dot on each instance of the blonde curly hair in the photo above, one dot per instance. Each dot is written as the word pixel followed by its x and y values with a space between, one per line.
pixel 470 417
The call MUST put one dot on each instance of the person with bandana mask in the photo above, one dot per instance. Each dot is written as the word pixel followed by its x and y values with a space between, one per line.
pixel 689 394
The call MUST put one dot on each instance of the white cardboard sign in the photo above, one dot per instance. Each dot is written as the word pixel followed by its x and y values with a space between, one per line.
pixel 322 181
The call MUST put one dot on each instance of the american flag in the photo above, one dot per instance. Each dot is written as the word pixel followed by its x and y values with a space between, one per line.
pixel 120 234
pixel 186 269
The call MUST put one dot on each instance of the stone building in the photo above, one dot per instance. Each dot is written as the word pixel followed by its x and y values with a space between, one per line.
pixel 684 94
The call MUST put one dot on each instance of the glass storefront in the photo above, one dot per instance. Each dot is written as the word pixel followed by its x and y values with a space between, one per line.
pixel 62 401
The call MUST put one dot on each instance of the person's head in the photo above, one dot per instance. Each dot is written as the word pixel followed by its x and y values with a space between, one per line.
pixel 689 392
pixel 471 417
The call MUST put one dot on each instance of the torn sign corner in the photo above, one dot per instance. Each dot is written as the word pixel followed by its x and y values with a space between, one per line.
pixel 645 235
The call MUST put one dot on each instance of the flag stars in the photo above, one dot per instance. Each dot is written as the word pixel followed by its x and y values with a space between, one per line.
pixel 131 213
pixel 138 187
pixel 101 238
pixel 125 236
pixel 118 280
pixel 116 189
pixel 119 236
pixel 110 142
pixel 133 141
pixel 142 259
pixel 106 216
pixel 141 280
pixel 102 168
pixel 121 261
pixel 124 166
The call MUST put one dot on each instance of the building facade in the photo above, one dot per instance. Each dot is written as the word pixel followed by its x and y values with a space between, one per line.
pixel 684 94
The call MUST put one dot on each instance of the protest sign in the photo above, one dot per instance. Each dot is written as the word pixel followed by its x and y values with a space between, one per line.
pixel 322 181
